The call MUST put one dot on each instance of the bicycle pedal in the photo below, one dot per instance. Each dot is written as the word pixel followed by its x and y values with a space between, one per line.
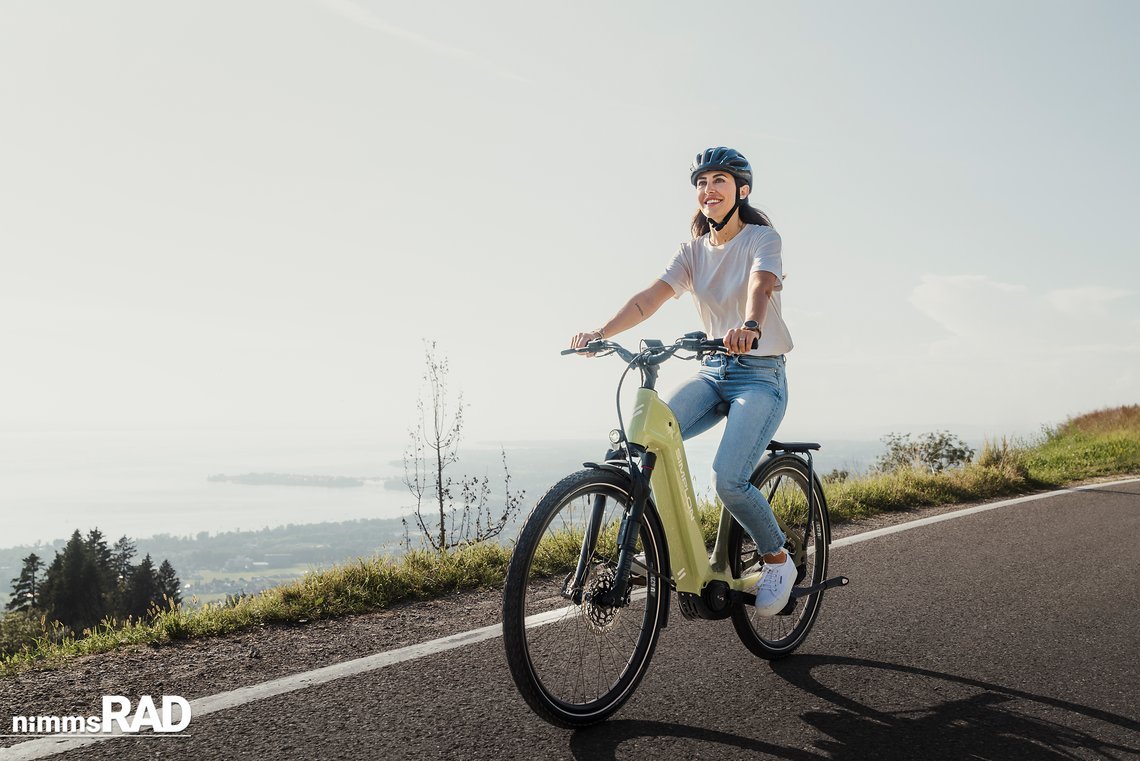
pixel 789 608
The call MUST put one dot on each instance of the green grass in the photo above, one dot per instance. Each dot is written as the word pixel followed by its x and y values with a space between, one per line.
pixel 906 489
pixel 1098 444
pixel 366 585
pixel 1101 443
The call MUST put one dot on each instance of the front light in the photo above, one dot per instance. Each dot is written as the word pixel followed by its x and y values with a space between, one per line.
pixel 616 436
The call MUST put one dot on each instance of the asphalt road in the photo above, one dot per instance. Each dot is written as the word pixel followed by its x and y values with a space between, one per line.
pixel 1007 634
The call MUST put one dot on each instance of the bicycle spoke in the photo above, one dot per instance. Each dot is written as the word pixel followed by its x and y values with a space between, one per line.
pixel 775 486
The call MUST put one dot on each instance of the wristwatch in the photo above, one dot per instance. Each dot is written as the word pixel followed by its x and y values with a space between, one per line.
pixel 753 325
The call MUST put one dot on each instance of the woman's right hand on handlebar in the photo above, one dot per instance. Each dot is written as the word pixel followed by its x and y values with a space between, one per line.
pixel 580 340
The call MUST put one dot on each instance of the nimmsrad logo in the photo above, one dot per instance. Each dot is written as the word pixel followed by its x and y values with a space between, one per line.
pixel 171 715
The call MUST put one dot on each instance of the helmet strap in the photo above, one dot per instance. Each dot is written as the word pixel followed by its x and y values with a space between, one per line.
pixel 718 226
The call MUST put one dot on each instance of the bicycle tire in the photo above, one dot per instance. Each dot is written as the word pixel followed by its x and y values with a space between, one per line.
pixel 784 483
pixel 577 664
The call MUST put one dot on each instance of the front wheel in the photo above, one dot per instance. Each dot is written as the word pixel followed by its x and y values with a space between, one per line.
pixel 575 664
pixel 784 483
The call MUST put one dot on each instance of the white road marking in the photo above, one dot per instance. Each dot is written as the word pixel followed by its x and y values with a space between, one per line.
pixel 46 746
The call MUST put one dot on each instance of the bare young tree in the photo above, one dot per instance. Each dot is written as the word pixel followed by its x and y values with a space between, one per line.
pixel 433 446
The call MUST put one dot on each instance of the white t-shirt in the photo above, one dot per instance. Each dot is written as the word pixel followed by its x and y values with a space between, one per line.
pixel 717 276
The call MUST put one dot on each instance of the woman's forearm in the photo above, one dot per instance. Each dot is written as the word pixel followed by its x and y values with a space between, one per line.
pixel 757 308
pixel 638 309
pixel 760 287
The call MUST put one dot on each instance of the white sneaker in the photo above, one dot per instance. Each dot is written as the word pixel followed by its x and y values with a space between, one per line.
pixel 774 588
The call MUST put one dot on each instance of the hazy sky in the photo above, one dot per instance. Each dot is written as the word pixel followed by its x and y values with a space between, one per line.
pixel 249 214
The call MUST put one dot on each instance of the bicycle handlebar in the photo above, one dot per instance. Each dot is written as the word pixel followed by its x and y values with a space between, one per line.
pixel 656 350
pixel 652 354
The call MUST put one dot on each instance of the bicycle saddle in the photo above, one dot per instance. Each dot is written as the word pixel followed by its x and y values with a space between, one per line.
pixel 791 446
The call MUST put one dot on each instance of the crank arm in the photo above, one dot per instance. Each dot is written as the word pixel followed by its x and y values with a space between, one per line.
pixel 747 598
pixel 834 581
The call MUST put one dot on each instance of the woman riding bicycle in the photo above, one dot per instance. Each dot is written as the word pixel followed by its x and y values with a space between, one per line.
pixel 734 271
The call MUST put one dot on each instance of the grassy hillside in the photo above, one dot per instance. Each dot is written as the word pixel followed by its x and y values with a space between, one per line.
pixel 1101 443
pixel 1097 444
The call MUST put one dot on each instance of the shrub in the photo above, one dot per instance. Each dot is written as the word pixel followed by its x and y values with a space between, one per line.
pixel 19 631
pixel 935 452
pixel 836 476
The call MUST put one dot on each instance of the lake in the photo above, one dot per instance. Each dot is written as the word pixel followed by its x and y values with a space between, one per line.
pixel 142 483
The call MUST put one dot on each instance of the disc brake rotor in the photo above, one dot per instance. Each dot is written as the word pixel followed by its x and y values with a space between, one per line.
pixel 600 617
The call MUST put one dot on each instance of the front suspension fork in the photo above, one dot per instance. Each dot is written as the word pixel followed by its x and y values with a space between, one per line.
pixel 627 540
pixel 574 588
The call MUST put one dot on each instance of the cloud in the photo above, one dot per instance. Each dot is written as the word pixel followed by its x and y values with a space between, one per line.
pixel 968 305
pixel 358 14
pixel 1084 302
pixel 1004 353
pixel 984 317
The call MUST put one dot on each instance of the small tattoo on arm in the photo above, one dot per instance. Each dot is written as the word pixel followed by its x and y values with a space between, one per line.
pixel 639 309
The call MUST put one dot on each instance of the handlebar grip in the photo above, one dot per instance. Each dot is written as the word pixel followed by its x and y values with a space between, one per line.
pixel 718 343
pixel 593 347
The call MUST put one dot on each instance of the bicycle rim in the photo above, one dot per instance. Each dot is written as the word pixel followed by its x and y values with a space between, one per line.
pixel 784 483
pixel 575 664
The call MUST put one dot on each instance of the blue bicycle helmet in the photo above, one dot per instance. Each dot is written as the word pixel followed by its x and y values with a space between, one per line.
pixel 727 159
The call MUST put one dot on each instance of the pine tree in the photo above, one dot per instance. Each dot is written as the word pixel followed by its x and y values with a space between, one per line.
pixel 102 556
pixel 25 589
pixel 143 590
pixel 121 570
pixel 73 592
pixel 169 587
pixel 98 546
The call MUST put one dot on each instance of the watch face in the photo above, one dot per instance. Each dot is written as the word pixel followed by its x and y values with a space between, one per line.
pixel 752 325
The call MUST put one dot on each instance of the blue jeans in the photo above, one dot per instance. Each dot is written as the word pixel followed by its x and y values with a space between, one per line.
pixel 756 389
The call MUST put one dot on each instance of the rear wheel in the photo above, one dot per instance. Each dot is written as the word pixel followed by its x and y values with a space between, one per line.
pixel 784 483
pixel 575 664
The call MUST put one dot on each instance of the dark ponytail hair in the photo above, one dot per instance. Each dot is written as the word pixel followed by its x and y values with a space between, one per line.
pixel 749 215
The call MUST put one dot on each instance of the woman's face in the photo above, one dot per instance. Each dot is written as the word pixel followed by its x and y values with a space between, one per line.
pixel 715 192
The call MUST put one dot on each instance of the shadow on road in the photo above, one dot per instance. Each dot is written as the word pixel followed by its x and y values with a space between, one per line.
pixel 919 713
pixel 600 743
pixel 890 712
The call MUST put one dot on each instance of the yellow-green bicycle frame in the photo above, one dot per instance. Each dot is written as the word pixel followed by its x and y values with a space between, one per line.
pixel 654 427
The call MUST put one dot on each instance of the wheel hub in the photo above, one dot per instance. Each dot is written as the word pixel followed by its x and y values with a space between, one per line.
pixel 601 617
